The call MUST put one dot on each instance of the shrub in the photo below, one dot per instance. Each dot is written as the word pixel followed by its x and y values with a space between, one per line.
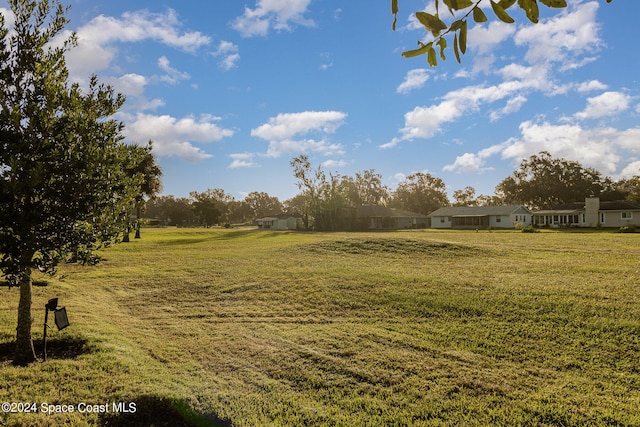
pixel 530 229
pixel 627 229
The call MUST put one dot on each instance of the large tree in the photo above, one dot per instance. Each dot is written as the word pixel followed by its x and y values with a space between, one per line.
pixel 630 188
pixel 466 197
pixel 542 182
pixel 310 181
pixel 171 210
pixel 64 190
pixel 422 193
pixel 151 173
pixel 440 30
pixel 366 188
pixel 211 207
pixel 262 204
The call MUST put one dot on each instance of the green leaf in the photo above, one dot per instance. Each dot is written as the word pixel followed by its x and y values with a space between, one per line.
pixel 431 55
pixel 458 4
pixel 530 7
pixel 394 10
pixel 455 47
pixel 443 45
pixel 463 38
pixel 431 22
pixel 416 52
pixel 456 25
pixel 501 13
pixel 478 15
pixel 556 3
pixel 506 4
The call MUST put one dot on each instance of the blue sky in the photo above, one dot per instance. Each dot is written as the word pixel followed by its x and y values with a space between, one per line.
pixel 231 91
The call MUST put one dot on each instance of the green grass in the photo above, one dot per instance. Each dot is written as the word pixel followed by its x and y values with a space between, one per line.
pixel 434 328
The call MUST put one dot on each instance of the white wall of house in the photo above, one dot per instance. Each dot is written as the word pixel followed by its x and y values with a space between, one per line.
pixel 619 218
pixel 520 218
pixel 274 223
pixel 500 221
pixel 441 222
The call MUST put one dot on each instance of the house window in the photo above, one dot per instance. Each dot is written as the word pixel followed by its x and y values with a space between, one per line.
pixel 443 219
pixel 498 218
pixel 626 215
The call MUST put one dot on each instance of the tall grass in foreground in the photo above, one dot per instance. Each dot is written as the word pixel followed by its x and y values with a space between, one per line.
pixel 244 327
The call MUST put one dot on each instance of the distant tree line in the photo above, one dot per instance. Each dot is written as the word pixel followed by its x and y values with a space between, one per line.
pixel 327 201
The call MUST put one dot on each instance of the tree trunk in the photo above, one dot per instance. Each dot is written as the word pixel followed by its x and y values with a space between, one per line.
pixel 138 209
pixel 25 352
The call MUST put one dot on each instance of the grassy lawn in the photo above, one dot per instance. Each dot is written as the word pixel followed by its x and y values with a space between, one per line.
pixel 435 328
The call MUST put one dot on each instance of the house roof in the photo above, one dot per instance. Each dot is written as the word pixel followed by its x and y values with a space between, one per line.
pixel 619 205
pixel 463 211
pixel 615 205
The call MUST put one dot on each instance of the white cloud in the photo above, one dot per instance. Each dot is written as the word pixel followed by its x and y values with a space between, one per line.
pixel 172 75
pixel 426 122
pixel 602 148
pixel 591 147
pixel 606 104
pixel 333 164
pixel 415 79
pixel 175 137
pixel 484 38
pixel 242 160
pixel 327 61
pixel 286 132
pixel 591 86
pixel 474 163
pixel 228 52
pixel 129 84
pixel 132 86
pixel 287 125
pixel 272 14
pixel 557 42
pixel 513 105
pixel 632 169
pixel 98 39
pixel 468 163
pixel 562 38
pixel 9 17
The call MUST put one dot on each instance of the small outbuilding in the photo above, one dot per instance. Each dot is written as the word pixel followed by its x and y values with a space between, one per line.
pixel 280 222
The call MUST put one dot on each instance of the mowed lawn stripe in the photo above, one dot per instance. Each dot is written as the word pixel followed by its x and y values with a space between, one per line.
pixel 246 327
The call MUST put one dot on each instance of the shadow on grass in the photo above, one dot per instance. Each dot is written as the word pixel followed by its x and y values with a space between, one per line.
pixel 160 411
pixel 57 348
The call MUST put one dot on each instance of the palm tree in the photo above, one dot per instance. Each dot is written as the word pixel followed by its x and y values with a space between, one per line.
pixel 151 182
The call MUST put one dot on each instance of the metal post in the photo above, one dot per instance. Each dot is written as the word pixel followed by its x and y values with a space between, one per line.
pixel 44 334
pixel 51 306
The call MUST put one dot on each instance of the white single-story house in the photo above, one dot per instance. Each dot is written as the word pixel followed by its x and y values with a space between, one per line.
pixel 280 222
pixel 507 216
pixel 590 213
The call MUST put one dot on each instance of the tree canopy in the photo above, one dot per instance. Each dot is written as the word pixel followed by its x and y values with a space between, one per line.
pixel 543 182
pixel 65 189
pixel 422 193
pixel 460 11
